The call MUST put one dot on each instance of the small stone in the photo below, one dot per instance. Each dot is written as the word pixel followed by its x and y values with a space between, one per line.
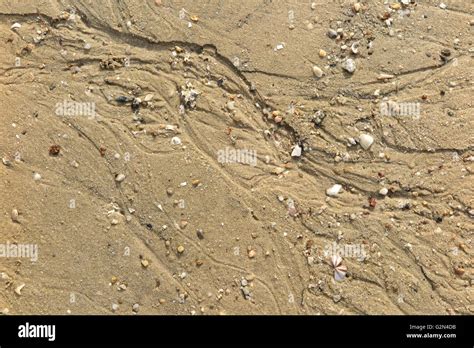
pixel 87 46
pixel 322 53
pixel 115 307
pixel 120 177
pixel 252 253
pixel 145 263
pixel 349 65
pixel 136 307
pixel 317 71
pixel 200 234
pixel 196 182
pixel 180 249
pixel 459 271
pixel 6 162
pixel 383 191
pixel 333 190
pixel 332 33
pixel 36 177
pixel 443 6
pixel 148 97
pixel 14 215
pixel 395 6
pixel 357 6
pixel 54 150
pixel 183 224
pixel 366 141
pixel 230 105
pixel 169 191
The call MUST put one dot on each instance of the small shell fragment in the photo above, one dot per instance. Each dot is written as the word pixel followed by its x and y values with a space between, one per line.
pixel 14 215
pixel 19 288
pixel 296 151
pixel 15 26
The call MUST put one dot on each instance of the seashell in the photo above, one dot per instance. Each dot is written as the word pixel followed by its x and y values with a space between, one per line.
pixel 336 260
pixel 355 48
pixel 19 288
pixel 339 269
pixel 14 215
pixel 15 26
pixel 366 141
pixel 296 151
pixel 340 273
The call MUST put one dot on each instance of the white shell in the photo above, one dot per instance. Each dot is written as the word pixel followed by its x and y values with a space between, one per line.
pixel 333 190
pixel 296 151
pixel 366 141
pixel 175 141
pixel 383 191
pixel 14 215
pixel 355 47
pixel 15 26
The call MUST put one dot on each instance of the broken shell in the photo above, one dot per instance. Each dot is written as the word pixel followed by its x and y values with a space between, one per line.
pixel 15 26
pixel 19 288
pixel 355 48
pixel 296 151
pixel 383 191
pixel 14 215
pixel 385 77
pixel 36 177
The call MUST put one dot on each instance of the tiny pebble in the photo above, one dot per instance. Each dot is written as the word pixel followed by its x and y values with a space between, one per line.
pixel 120 177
